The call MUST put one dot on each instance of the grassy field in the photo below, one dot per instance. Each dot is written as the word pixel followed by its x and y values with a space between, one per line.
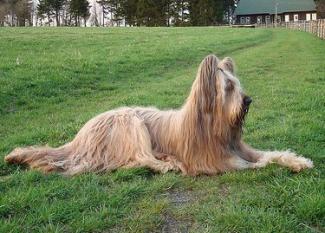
pixel 53 80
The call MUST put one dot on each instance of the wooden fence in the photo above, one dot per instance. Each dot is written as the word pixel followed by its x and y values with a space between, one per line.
pixel 317 27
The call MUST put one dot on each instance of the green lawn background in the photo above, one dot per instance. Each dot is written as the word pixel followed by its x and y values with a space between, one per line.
pixel 52 80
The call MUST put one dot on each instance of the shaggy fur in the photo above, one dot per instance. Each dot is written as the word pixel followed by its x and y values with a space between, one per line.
pixel 202 137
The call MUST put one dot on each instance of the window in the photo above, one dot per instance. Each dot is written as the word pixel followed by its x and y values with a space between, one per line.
pixel 259 19
pixel 308 17
pixel 295 17
pixel 313 16
pixel 267 19
pixel 248 20
pixel 278 19
pixel 287 18
pixel 242 20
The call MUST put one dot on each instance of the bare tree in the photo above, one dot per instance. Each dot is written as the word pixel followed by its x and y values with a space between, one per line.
pixel 94 16
pixel 4 11
pixel 320 7
pixel 105 9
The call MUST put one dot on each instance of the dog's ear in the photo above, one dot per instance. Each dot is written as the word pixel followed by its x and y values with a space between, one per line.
pixel 227 64
pixel 208 83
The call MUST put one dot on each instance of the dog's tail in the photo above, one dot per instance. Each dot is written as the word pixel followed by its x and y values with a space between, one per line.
pixel 45 159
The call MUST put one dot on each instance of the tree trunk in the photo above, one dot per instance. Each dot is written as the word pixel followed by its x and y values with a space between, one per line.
pixel 182 12
pixel 103 17
pixel 48 20
pixel 57 18
pixel 12 18
pixel 168 14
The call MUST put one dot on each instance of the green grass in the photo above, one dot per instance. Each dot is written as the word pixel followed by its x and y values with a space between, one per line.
pixel 52 80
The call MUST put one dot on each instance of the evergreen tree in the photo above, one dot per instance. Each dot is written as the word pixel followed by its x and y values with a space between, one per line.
pixel 153 12
pixel 180 13
pixel 142 14
pixel 129 10
pixel 79 9
pixel 50 8
pixel 229 10
pixel 44 8
pixel 57 6
pixel 165 12
pixel 116 10
pixel 206 12
pixel 23 12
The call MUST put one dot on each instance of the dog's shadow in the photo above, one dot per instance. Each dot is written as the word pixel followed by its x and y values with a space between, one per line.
pixel 122 175
pixel 6 169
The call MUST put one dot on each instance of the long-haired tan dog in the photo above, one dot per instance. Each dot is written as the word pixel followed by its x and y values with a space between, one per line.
pixel 202 137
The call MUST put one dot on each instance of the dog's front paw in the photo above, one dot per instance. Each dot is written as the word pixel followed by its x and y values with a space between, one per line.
pixel 285 158
pixel 299 163
pixel 294 162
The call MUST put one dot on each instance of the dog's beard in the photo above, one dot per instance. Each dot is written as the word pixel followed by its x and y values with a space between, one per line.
pixel 242 116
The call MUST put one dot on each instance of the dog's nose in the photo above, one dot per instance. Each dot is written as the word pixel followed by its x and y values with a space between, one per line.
pixel 247 100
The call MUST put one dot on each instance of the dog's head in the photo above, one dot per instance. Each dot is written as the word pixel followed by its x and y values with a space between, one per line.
pixel 219 92
pixel 236 103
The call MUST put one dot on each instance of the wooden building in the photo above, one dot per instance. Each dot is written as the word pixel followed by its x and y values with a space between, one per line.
pixel 264 11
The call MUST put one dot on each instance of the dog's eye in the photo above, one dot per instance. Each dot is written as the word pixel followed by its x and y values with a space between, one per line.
pixel 229 85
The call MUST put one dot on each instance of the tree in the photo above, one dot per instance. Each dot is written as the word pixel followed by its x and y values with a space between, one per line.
pixel 320 7
pixel 19 11
pixel 151 12
pixel 105 9
pixel 44 8
pixel 129 10
pixel 94 17
pixel 56 6
pixel 229 10
pixel 179 12
pixel 142 15
pixel 23 12
pixel 79 9
pixel 51 8
pixel 166 10
pixel 4 11
pixel 66 16
pixel 206 12
pixel 116 10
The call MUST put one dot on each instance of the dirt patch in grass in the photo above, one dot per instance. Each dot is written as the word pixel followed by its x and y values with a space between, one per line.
pixel 180 197
pixel 224 190
pixel 173 225
pixel 177 199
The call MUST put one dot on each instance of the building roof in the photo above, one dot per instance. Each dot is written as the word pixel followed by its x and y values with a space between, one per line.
pixel 250 7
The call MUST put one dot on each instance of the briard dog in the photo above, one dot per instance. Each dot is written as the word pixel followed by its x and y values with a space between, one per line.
pixel 202 137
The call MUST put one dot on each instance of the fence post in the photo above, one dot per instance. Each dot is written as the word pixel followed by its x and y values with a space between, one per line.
pixel 323 26
pixel 319 28
pixel 315 27
pixel 305 25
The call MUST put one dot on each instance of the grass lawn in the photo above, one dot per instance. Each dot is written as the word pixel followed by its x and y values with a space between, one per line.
pixel 52 80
